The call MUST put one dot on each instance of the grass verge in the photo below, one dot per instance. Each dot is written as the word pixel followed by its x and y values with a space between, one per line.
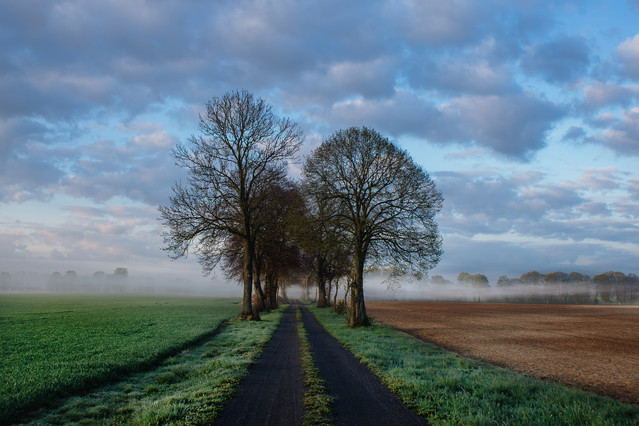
pixel 53 346
pixel 446 388
pixel 316 401
pixel 188 388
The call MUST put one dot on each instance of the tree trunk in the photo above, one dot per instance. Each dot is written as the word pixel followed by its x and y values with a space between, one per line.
pixel 321 285
pixel 306 291
pixel 358 308
pixel 271 291
pixel 328 293
pixel 247 306
pixel 336 291
pixel 261 302
pixel 347 289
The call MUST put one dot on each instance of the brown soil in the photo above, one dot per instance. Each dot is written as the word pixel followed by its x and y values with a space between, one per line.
pixel 595 348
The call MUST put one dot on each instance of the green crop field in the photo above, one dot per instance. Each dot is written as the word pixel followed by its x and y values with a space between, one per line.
pixel 55 345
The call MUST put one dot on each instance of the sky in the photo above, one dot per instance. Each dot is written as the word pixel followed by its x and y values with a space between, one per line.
pixel 524 113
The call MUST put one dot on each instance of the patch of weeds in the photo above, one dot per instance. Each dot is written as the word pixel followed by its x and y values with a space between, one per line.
pixel 340 308
pixel 212 352
pixel 174 375
pixel 151 389
pixel 317 402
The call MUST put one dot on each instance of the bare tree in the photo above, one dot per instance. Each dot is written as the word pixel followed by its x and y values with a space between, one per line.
pixel 319 236
pixel 386 205
pixel 243 147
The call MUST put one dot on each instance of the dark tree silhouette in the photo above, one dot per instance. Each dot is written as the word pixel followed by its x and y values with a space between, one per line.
pixel 243 148
pixel 319 235
pixel 386 205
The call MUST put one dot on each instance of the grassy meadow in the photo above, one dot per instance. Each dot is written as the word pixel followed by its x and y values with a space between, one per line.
pixel 189 388
pixel 51 346
pixel 447 388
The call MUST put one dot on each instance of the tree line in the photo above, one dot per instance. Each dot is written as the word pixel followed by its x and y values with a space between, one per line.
pixel 361 201
pixel 611 287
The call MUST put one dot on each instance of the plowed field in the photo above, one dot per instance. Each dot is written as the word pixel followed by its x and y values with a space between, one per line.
pixel 595 348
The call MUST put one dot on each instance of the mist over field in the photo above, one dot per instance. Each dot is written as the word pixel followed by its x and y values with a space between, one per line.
pixel 101 282
pixel 378 287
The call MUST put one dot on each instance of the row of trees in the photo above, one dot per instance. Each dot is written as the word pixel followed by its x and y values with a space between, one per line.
pixel 361 201
pixel 556 287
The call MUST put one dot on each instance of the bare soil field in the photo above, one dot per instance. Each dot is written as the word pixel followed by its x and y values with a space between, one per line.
pixel 595 348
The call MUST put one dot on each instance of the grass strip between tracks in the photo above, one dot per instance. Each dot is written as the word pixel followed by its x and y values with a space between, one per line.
pixel 316 401
pixel 189 388
pixel 447 388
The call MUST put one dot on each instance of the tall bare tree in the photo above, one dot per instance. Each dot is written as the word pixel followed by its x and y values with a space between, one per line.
pixel 243 148
pixel 386 205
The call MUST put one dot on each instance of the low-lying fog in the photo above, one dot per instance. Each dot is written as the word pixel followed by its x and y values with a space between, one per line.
pixel 122 281
pixel 117 283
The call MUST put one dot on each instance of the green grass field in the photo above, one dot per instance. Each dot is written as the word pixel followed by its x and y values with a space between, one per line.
pixel 446 388
pixel 189 388
pixel 52 346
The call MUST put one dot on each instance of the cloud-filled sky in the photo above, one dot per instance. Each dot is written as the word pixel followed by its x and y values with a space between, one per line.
pixel 525 113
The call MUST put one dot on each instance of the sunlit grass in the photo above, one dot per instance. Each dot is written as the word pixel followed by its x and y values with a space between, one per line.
pixel 188 388
pixel 55 345
pixel 446 388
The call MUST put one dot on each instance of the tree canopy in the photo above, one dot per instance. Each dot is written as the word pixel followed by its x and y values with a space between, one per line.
pixel 385 205
pixel 243 149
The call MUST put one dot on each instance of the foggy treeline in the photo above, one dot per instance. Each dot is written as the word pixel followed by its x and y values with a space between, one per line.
pixel 100 282
pixel 532 287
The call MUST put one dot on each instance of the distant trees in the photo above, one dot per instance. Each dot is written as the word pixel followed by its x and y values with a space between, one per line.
pixel 573 287
pixel 121 274
pixel 439 279
pixel 243 149
pixel 385 206
pixel 476 280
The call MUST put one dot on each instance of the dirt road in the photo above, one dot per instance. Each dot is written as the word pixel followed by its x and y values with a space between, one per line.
pixel 272 393
pixel 595 348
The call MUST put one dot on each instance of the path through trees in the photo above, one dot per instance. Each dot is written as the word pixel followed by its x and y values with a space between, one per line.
pixel 272 394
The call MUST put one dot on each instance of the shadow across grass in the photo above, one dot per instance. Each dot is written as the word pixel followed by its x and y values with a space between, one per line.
pixel 190 387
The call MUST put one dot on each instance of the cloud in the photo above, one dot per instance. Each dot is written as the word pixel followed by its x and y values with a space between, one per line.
pixel 600 179
pixel 107 170
pixel 512 125
pixel 518 255
pixel 432 22
pixel 562 60
pixel 477 69
pixel 628 52
pixel 623 133
pixel 601 94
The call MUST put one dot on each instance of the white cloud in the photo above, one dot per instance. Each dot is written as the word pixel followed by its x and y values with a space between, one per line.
pixel 628 52
pixel 623 133
pixel 434 22
pixel 601 94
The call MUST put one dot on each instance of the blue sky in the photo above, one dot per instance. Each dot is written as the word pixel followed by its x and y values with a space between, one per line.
pixel 525 113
